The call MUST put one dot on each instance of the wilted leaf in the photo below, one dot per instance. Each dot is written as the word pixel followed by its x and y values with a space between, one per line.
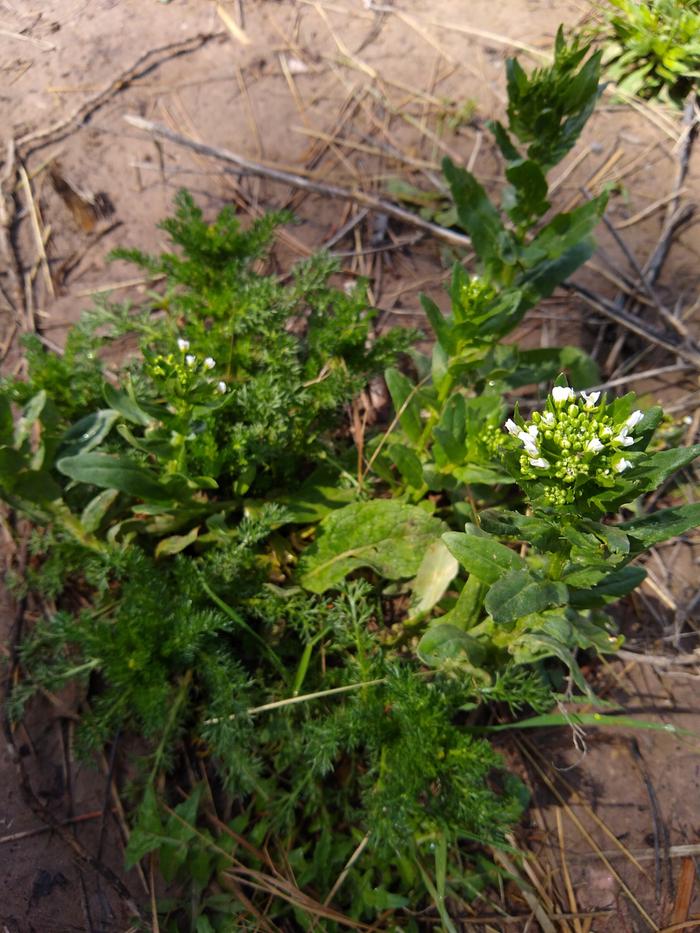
pixel 437 570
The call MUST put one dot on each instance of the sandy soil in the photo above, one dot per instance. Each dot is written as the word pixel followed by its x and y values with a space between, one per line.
pixel 359 96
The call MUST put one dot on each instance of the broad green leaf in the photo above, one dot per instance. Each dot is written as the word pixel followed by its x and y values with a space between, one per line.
pixel 444 642
pixel 470 473
pixel 477 215
pixel 450 433
pixel 87 433
pixel 561 247
pixel 611 588
pixel 125 405
pixel 659 466
pixel 437 570
pixel 662 525
pixel 403 393
pixel 481 554
pixel 111 472
pixel 176 543
pixel 408 464
pixel 467 611
pixel 528 199
pixel 536 531
pixel 545 364
pixel 519 594
pixel 388 536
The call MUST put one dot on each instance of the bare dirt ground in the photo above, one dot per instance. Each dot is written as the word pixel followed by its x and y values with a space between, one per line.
pixel 360 95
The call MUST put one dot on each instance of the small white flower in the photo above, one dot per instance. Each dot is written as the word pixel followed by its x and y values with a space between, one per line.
pixel 182 344
pixel 634 419
pixel 594 446
pixel 190 360
pixel 622 465
pixel 623 439
pixel 539 462
pixel 606 432
pixel 511 427
pixel 209 362
pixel 548 417
pixel 562 394
pixel 590 398
pixel 528 443
pixel 221 387
pixel 532 430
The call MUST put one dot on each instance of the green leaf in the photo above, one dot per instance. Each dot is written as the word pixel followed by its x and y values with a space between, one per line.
pixel 466 612
pixel 87 433
pixel 481 554
pixel 519 594
pixel 662 525
pixel 388 536
pixel 11 462
pixel 444 642
pixel 408 464
pixel 611 588
pixel 313 499
pixel 97 508
pixel 545 364
pixel 146 834
pixel 477 215
pixel 437 570
pixel 111 472
pixel 401 389
pixel 471 473
pixel 659 466
pixel 6 421
pixel 537 531
pixel 451 431
pixel 529 198
pixel 534 646
pixel 31 413
pixel 561 247
pixel 443 330
pixel 548 720
pixel 125 405
pixel 176 543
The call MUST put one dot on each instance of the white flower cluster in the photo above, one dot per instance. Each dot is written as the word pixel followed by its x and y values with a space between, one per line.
pixel 574 438
pixel 191 361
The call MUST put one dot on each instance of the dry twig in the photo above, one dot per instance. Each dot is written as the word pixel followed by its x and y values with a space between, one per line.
pixel 248 166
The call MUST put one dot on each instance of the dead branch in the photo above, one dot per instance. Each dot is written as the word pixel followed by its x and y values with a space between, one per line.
pixel 634 324
pixel 250 167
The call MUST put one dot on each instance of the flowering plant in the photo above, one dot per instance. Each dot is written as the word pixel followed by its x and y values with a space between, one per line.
pixel 579 445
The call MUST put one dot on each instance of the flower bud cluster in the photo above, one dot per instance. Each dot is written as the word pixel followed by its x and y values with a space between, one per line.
pixel 186 371
pixel 475 293
pixel 574 439
pixel 491 438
